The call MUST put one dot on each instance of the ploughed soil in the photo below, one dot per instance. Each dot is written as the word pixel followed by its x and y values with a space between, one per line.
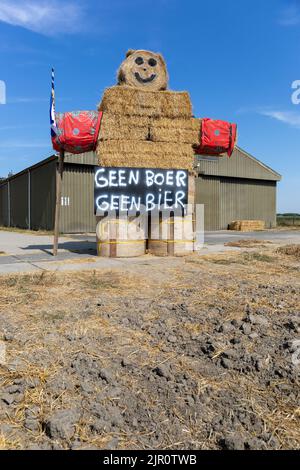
pixel 194 353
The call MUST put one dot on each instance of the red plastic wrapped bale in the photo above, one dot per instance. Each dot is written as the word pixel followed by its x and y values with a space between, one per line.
pixel 217 137
pixel 77 131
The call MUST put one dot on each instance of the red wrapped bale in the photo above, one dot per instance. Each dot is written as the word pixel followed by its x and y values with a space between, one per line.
pixel 217 137
pixel 77 131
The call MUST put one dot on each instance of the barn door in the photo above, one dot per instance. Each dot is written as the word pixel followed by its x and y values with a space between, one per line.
pixel 208 193
pixel 77 201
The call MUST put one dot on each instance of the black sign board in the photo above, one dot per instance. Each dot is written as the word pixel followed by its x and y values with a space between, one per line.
pixel 139 189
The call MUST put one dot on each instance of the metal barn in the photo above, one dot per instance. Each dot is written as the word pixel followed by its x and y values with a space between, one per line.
pixel 240 187
pixel 27 200
pixel 237 188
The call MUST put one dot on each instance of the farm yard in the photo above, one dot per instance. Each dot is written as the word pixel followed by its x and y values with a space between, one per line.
pixel 198 352
pixel 149 232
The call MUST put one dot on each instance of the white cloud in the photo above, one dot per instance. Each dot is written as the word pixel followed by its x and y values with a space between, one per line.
pixel 247 109
pixel 47 17
pixel 288 117
pixel 292 118
pixel 290 16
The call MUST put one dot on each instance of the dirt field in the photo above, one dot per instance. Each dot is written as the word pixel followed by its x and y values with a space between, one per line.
pixel 200 353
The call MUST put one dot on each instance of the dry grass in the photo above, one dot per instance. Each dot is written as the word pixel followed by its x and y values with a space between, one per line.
pixel 76 261
pixel 236 258
pixel 128 101
pixel 290 250
pixel 87 303
pixel 9 443
pixel 248 243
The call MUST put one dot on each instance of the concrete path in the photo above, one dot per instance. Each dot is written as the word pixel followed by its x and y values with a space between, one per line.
pixel 275 236
pixel 27 252
pixel 223 236
pixel 15 243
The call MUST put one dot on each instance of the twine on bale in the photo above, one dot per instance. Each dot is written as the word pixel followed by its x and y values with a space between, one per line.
pixel 121 242
pixel 173 240
pixel 170 247
pixel 173 236
pixel 111 241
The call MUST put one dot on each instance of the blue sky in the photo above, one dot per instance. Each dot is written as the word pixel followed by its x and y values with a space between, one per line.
pixel 238 60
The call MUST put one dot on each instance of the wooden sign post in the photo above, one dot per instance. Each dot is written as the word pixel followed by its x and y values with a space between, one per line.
pixel 59 179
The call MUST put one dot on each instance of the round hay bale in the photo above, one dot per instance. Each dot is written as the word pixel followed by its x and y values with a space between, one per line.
pixel 143 69
pixel 172 236
pixel 120 238
pixel 158 247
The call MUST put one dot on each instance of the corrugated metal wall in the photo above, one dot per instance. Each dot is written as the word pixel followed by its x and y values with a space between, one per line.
pixel 77 211
pixel 240 165
pixel 229 199
pixel 32 199
pixel 247 199
pixel 239 187
pixel 19 201
pixel 88 158
pixel 42 201
pixel 208 193
pixel 4 218
pixel 38 212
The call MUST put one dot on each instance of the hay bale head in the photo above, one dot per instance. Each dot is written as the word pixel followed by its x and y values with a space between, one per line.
pixel 143 69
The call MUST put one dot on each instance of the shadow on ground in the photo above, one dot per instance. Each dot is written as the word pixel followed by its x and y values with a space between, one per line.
pixel 82 248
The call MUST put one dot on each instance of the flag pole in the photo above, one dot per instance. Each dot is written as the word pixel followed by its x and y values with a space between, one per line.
pixel 59 180
pixel 59 167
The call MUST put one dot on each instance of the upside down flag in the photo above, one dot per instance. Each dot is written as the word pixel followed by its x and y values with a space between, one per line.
pixel 74 132
pixel 52 108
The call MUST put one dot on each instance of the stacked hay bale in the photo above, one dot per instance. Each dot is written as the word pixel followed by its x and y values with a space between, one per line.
pixel 134 134
pixel 173 235
pixel 247 225
pixel 146 126
pixel 147 129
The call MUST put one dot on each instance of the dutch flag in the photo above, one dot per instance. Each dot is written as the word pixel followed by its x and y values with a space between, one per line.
pixel 52 108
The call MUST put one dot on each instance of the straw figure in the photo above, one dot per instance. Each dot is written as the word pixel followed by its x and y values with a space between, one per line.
pixel 143 124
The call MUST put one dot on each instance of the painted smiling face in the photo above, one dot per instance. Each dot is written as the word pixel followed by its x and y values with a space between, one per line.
pixel 143 69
